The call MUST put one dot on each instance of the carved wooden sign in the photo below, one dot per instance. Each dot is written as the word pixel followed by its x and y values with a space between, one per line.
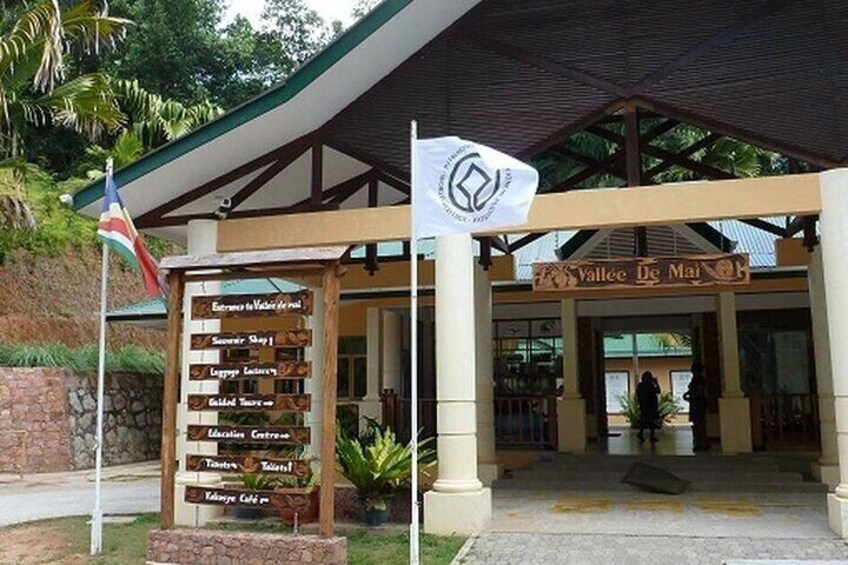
pixel 284 370
pixel 251 305
pixel 286 435
pixel 643 272
pixel 250 402
pixel 290 338
pixel 247 464
pixel 296 501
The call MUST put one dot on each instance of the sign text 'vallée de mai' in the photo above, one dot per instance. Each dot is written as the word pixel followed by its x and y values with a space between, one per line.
pixel 251 305
pixel 643 272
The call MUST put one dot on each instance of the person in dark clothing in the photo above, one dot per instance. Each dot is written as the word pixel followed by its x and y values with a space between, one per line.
pixel 696 396
pixel 647 395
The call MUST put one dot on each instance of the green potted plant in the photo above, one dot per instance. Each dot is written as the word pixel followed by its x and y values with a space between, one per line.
pixel 301 496
pixel 378 468
pixel 668 408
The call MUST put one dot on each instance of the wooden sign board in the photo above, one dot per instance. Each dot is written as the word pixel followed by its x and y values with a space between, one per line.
pixel 224 372
pixel 291 338
pixel 296 501
pixel 250 402
pixel 251 305
pixel 643 272
pixel 286 435
pixel 247 464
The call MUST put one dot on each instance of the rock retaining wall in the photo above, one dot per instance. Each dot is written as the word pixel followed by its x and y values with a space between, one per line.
pixel 202 547
pixel 54 413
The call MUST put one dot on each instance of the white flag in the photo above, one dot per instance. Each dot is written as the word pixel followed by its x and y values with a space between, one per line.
pixel 463 187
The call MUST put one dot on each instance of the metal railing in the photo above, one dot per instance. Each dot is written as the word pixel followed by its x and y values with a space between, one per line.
pixel 520 421
pixel 785 421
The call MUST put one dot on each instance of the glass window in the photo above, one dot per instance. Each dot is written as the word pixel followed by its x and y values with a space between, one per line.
pixel 360 376
pixel 343 377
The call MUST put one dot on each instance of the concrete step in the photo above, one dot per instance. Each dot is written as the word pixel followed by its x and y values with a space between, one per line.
pixel 693 475
pixel 697 486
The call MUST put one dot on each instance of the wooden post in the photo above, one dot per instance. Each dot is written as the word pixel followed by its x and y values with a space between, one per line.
pixel 169 398
pixel 328 416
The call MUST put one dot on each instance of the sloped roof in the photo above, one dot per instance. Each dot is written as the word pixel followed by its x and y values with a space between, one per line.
pixel 519 75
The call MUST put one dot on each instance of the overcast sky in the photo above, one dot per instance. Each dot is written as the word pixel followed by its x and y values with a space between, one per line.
pixel 328 9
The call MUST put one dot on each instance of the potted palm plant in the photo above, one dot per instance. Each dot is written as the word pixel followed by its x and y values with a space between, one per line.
pixel 378 468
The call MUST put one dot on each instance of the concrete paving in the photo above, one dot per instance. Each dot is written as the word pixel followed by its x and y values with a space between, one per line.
pixel 633 528
pixel 127 489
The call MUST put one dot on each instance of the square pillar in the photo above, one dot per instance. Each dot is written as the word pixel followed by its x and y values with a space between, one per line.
pixel 202 239
pixel 826 469
pixel 834 249
pixel 487 463
pixel 314 385
pixel 458 503
pixel 734 409
pixel 571 407
pixel 370 403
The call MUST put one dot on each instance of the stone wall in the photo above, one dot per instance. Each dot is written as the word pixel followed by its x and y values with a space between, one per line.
pixel 201 547
pixel 33 402
pixel 55 411
pixel 132 418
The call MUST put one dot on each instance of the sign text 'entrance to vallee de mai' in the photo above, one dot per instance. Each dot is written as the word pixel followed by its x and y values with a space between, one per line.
pixel 643 272
pixel 256 354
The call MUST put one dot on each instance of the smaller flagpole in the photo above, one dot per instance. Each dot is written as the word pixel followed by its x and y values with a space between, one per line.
pixel 97 513
pixel 413 316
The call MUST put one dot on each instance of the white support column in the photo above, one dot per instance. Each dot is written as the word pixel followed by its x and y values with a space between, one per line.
pixel 571 407
pixel 734 409
pixel 370 404
pixel 826 469
pixel 834 249
pixel 202 239
pixel 314 385
pixel 487 461
pixel 458 503
pixel 392 348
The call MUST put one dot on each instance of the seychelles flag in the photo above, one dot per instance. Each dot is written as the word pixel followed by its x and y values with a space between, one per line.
pixel 116 229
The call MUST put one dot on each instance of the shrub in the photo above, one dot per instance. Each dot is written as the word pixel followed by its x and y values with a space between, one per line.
pixel 669 408
pixel 84 359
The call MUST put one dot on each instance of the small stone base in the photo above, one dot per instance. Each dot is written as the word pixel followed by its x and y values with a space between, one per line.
pixel 206 547
pixel 571 425
pixel 453 513
pixel 837 514
pixel 826 474
pixel 488 473
pixel 734 415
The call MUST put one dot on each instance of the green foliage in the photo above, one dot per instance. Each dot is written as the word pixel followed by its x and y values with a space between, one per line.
pixel 128 359
pixel 256 481
pixel 382 466
pixel 669 408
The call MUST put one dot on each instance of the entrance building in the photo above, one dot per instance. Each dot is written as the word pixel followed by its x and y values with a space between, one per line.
pixel 641 120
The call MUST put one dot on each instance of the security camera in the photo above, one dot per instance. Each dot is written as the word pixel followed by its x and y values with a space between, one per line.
pixel 224 208
pixel 67 199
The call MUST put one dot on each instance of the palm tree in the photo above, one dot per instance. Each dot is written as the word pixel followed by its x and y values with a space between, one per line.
pixel 33 89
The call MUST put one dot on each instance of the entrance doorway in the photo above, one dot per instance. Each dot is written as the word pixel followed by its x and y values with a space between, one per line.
pixel 630 347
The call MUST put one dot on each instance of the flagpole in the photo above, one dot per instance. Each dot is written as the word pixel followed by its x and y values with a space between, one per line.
pixel 97 513
pixel 413 315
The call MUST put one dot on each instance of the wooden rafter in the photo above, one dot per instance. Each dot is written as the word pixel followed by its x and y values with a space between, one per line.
pixel 265 177
pixel 153 217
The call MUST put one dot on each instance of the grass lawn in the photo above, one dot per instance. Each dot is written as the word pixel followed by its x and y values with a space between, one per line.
pixel 65 540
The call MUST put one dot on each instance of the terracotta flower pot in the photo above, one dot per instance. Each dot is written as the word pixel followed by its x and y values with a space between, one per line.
pixel 297 501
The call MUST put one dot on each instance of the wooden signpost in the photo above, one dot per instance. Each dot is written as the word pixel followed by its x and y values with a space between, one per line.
pixel 643 272
pixel 300 265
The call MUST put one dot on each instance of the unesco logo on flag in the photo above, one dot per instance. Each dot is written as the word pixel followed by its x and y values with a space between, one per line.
pixel 469 191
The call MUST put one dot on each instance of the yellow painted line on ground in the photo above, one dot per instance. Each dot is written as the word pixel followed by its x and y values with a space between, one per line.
pixel 513 515
pixel 733 508
pixel 655 505
pixel 582 506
